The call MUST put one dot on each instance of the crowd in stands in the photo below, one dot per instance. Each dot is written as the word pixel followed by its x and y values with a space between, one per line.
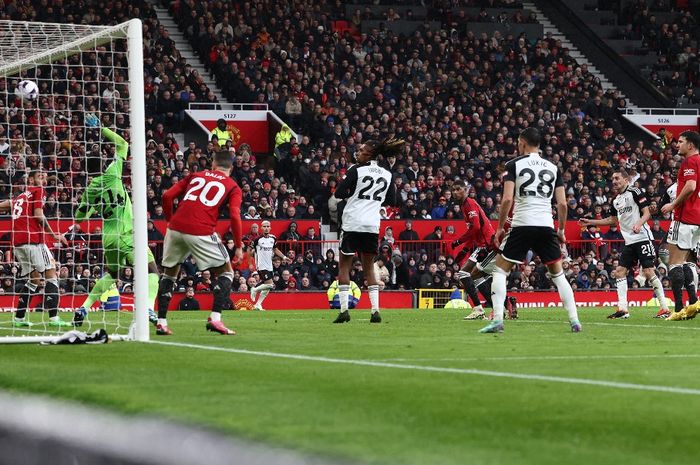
pixel 459 99
pixel 674 40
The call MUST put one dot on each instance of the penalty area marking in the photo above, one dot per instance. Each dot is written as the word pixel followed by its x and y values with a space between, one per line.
pixel 460 371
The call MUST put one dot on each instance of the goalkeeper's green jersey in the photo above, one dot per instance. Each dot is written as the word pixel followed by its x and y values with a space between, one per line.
pixel 107 197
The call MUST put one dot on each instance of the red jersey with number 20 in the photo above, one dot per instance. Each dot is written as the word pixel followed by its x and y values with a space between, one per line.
pixel 201 196
pixel 688 212
pixel 25 228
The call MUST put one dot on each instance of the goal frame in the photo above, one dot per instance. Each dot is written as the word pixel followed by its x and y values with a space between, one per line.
pixel 132 31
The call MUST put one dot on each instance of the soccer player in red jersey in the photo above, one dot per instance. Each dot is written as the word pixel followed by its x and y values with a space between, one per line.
pixel 684 233
pixel 479 236
pixel 191 230
pixel 28 227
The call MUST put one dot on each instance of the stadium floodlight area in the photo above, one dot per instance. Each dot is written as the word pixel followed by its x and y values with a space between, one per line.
pixel 80 70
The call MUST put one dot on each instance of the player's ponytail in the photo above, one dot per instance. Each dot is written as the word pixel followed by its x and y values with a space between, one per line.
pixel 391 146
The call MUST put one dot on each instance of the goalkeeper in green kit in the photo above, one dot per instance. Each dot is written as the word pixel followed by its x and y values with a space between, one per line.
pixel 106 196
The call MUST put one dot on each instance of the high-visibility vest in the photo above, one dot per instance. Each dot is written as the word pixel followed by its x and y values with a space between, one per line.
pixel 282 137
pixel 223 136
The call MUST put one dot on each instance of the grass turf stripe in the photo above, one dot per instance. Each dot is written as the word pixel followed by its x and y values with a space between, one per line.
pixel 462 371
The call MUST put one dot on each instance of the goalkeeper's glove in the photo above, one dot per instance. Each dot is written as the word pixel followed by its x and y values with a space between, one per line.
pixel 91 120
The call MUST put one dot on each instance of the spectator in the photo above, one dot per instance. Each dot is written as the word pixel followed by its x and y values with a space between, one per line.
pixel 188 302
pixel 155 237
pixel 381 271
pixel 658 233
pixel 399 278
pixel 283 141
pixel 251 214
pixel 306 284
pixel 330 265
pixel 430 277
pixel 221 132
pixel 408 234
pixel 291 233
pixel 592 237
pixel 440 210
pixel 614 238
pixel 388 237
pixel 204 283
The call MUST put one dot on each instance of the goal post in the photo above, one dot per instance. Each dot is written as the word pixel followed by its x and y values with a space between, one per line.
pixel 79 69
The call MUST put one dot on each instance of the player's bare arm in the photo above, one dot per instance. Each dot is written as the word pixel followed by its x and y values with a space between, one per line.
pixel 688 189
pixel 282 256
pixel 5 206
pixel 608 221
pixel 562 210
pixel 39 215
pixel 506 204
pixel 646 215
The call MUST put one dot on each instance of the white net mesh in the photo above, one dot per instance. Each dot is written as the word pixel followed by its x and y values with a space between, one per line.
pixel 80 71
pixel 24 41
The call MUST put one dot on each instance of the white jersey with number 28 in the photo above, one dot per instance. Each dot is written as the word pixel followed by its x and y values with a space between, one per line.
pixel 535 179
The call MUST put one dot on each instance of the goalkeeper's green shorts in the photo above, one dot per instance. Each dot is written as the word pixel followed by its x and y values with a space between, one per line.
pixel 121 254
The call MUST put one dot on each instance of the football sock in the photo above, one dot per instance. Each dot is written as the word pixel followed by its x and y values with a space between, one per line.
pixel 222 291
pixel 485 290
pixel 152 288
pixel 677 281
pixel 690 274
pixel 51 297
pixel 566 294
pixel 659 292
pixel 498 292
pixel 264 289
pixel 163 321
pixel 24 298
pixel 215 316
pixel 621 284
pixel 101 286
pixel 374 297
pixel 470 288
pixel 344 292
pixel 165 294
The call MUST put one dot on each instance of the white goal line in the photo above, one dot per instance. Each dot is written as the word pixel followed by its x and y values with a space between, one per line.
pixel 460 371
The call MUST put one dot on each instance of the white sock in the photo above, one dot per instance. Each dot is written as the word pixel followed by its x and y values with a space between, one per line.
pixel 566 294
pixel 215 316
pixel 374 297
pixel 344 296
pixel 621 284
pixel 659 292
pixel 479 308
pixel 498 293
pixel 264 290
pixel 163 321
pixel 54 318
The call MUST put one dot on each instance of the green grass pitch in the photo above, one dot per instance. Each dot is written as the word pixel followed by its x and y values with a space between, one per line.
pixel 389 415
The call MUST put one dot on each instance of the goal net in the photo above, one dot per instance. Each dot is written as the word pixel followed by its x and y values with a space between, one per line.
pixel 79 140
